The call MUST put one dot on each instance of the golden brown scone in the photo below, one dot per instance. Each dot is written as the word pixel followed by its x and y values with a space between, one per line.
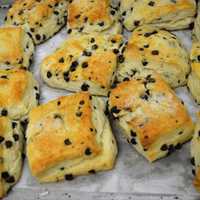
pixel 11 149
pixel 195 153
pixel 93 16
pixel 19 92
pixel 69 136
pixel 42 19
pixel 160 50
pixel 194 77
pixel 168 14
pixel 153 119
pixel 196 30
pixel 83 62
pixel 16 47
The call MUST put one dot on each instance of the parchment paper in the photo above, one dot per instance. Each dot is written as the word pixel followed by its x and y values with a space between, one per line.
pixel 133 177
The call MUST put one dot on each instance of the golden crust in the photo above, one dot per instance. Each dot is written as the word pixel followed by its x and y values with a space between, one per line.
pixel 194 77
pixel 16 47
pixel 18 92
pixel 172 15
pixel 83 60
pixel 52 124
pixel 91 16
pixel 11 148
pixel 70 136
pixel 41 18
pixel 144 104
pixel 152 48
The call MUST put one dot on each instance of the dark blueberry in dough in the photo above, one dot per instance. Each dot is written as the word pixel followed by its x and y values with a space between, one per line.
pixel 133 141
pixel 1 139
pixel 164 147
pixel 69 177
pixel 8 144
pixel 38 37
pixel 88 152
pixel 16 137
pixel 192 161
pixel 4 112
pixel 10 179
pixel 155 52
pixel 67 142
pixel 49 74
pixel 114 110
pixel 85 87
pixel 92 171
pixel 151 3
pixel 5 175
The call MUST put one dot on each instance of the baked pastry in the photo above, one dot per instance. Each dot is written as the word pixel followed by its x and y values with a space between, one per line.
pixel 160 50
pixel 93 16
pixel 42 19
pixel 84 62
pixel 152 118
pixel 18 93
pixel 194 77
pixel 16 47
pixel 196 30
pixel 168 14
pixel 69 136
pixel 195 159
pixel 11 149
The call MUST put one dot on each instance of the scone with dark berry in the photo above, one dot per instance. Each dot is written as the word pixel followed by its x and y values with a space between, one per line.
pixel 70 136
pixel 17 47
pixel 42 19
pixel 86 16
pixel 86 62
pixel 152 48
pixel 19 93
pixel 153 119
pixel 11 149
pixel 167 14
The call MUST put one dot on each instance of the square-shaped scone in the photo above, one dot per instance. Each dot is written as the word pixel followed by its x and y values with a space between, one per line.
pixel 152 117
pixel 16 47
pixel 195 154
pixel 93 16
pixel 19 92
pixel 167 14
pixel 69 136
pixel 194 77
pixel 42 19
pixel 152 48
pixel 11 151
pixel 83 63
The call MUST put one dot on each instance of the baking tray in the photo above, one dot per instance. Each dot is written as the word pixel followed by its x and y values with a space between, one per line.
pixel 133 178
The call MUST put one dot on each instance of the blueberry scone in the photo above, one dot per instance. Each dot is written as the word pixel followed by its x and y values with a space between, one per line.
pixel 69 136
pixel 11 149
pixel 194 77
pixel 42 19
pixel 160 50
pixel 93 16
pixel 18 93
pixel 168 14
pixel 151 116
pixel 83 63
pixel 16 47
pixel 195 153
